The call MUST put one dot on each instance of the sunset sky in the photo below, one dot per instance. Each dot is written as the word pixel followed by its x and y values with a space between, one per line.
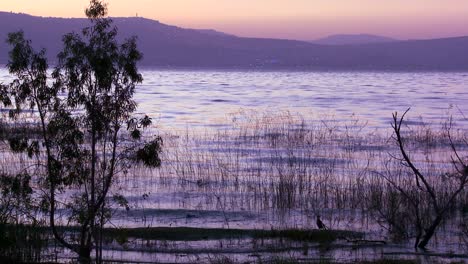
pixel 294 19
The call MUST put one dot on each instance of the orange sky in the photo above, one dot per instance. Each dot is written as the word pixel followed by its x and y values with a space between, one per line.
pixel 297 19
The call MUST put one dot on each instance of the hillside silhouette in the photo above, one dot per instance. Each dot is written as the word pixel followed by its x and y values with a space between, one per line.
pixel 174 47
pixel 351 39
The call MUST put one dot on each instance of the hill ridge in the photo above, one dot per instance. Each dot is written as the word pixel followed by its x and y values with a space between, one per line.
pixel 176 47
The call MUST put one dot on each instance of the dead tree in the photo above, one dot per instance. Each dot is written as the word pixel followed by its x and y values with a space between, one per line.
pixel 439 203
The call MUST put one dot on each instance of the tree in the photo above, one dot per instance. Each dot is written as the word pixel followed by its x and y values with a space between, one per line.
pixel 17 206
pixel 83 114
pixel 430 206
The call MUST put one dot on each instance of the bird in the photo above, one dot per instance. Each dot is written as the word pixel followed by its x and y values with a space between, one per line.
pixel 320 224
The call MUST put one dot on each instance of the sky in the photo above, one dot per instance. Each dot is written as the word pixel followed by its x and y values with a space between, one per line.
pixel 291 19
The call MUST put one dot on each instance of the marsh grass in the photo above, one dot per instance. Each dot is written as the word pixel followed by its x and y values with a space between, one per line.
pixel 19 243
pixel 286 164
pixel 281 171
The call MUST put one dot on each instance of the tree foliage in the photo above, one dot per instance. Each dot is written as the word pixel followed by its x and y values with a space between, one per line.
pixel 83 109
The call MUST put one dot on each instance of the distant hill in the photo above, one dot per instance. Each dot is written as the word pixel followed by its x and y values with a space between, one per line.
pixel 344 39
pixel 174 47
pixel 214 32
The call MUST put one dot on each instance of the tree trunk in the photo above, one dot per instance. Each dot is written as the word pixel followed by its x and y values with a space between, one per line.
pixel 430 232
pixel 84 256
pixel 85 248
pixel 418 238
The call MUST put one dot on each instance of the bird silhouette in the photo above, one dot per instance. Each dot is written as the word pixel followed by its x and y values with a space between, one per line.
pixel 320 224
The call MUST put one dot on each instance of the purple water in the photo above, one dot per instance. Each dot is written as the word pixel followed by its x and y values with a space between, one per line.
pixel 209 98
pixel 202 98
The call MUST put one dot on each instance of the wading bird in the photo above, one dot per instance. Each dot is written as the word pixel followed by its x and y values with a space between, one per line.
pixel 320 224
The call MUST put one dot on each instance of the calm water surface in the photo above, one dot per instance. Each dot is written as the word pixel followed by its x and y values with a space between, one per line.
pixel 210 98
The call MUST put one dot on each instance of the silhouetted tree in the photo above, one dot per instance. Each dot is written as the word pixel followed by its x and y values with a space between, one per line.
pixel 429 206
pixel 80 148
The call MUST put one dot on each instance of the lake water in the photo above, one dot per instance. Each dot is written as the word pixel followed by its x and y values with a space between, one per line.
pixel 235 178
pixel 211 98
pixel 208 97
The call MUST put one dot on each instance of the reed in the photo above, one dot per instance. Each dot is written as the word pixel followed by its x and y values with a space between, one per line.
pixel 280 171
